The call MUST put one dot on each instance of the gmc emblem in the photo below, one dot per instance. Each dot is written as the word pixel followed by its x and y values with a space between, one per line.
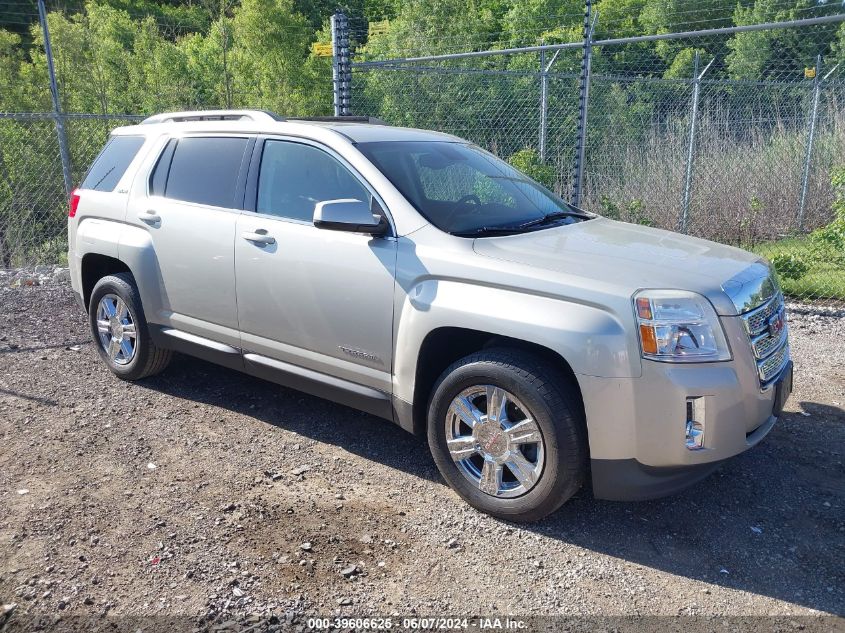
pixel 776 323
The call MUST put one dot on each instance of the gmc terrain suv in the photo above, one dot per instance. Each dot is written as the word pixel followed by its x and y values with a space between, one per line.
pixel 415 276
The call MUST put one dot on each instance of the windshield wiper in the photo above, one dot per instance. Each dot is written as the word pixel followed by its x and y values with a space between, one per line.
pixel 518 228
pixel 551 217
pixel 488 230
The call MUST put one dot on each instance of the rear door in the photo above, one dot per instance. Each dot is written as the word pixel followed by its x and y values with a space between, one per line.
pixel 191 211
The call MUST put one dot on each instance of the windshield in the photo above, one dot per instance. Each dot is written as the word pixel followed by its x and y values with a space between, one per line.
pixel 463 190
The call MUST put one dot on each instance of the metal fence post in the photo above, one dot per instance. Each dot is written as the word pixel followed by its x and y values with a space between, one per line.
pixel 544 101
pixel 58 116
pixel 544 105
pixel 696 90
pixel 811 135
pixel 341 69
pixel 682 223
pixel 583 104
pixel 335 76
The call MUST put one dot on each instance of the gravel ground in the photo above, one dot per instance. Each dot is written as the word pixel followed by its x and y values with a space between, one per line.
pixel 207 493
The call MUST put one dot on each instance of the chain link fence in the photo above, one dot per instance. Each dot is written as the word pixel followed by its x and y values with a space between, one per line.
pixel 63 61
pixel 750 162
pixel 33 197
pixel 720 142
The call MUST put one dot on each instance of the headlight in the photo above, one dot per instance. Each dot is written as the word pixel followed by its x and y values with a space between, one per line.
pixel 678 326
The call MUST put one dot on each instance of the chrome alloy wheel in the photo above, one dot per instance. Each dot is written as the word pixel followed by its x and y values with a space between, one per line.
pixel 116 329
pixel 494 441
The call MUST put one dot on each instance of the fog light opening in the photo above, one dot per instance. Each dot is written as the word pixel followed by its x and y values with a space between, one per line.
pixel 695 424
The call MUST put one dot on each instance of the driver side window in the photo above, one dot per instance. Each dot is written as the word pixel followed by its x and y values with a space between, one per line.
pixel 294 177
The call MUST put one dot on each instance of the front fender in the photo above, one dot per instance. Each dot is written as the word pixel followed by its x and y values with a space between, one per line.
pixel 592 340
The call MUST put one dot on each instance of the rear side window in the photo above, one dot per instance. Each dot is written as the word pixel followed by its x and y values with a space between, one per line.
pixel 203 170
pixel 112 162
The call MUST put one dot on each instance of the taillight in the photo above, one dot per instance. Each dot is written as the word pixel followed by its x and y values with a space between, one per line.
pixel 74 203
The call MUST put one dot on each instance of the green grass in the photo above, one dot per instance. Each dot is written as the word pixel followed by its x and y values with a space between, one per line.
pixel 825 277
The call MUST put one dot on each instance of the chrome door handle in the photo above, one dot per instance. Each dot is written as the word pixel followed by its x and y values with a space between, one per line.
pixel 149 216
pixel 258 237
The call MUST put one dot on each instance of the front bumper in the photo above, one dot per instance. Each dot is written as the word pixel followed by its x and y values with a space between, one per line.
pixel 637 425
pixel 629 480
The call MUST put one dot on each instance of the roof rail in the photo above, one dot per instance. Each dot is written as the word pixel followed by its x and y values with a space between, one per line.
pixel 337 119
pixel 212 115
pixel 252 115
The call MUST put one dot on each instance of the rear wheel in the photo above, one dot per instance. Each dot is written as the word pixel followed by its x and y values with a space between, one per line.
pixel 120 330
pixel 506 431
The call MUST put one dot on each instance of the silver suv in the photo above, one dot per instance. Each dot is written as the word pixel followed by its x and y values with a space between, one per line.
pixel 415 276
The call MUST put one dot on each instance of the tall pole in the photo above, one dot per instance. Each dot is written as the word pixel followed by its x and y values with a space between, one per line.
pixel 811 136
pixel 335 73
pixel 54 91
pixel 693 124
pixel 544 105
pixel 696 83
pixel 341 69
pixel 583 104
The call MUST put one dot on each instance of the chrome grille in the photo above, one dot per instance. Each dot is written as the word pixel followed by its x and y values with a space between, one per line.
pixel 770 347
pixel 757 319
pixel 771 366
pixel 765 344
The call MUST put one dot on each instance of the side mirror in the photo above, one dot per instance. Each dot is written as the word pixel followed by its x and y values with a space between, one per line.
pixel 348 215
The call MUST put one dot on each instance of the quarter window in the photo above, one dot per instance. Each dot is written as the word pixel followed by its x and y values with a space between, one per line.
pixel 158 179
pixel 203 170
pixel 112 163
pixel 294 177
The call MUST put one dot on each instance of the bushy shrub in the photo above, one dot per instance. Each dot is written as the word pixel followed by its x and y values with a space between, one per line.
pixel 637 213
pixel 832 236
pixel 790 265
pixel 609 208
pixel 528 162
pixel 633 212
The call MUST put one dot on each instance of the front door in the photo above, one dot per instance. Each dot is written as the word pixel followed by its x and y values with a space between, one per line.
pixel 313 298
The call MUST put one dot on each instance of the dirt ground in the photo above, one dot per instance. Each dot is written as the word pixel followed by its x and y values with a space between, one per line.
pixel 210 494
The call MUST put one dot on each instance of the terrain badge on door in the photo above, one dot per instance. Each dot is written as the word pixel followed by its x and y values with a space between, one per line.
pixel 360 354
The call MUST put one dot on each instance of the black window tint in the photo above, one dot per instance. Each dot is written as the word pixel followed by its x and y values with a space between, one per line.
pixel 294 177
pixel 205 170
pixel 112 162
pixel 158 179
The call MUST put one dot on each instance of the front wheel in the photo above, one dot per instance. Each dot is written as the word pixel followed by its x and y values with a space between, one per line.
pixel 506 431
pixel 120 330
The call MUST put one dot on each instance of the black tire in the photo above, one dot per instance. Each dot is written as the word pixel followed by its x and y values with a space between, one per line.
pixel 148 359
pixel 553 402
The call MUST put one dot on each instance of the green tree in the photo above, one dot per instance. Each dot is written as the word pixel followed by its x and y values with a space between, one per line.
pixel 783 53
pixel 270 44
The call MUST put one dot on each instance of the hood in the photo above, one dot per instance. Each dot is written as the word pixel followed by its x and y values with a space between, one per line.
pixel 630 256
